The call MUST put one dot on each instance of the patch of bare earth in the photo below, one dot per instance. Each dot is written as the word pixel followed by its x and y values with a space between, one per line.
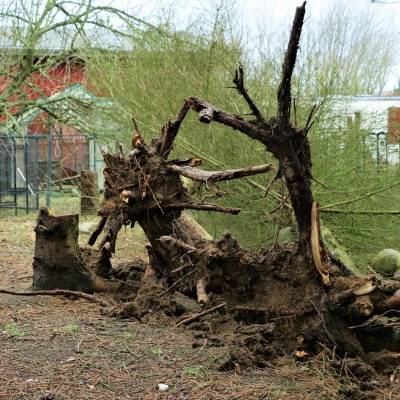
pixel 58 348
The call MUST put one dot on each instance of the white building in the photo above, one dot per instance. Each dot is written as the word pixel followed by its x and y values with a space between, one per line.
pixel 378 117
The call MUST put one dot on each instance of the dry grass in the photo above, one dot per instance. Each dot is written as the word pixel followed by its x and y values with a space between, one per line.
pixel 69 349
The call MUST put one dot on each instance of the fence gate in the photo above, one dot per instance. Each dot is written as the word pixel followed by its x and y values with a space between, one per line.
pixel 18 174
pixel 43 170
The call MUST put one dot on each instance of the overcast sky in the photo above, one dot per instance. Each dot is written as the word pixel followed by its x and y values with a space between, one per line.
pixel 264 11
pixel 258 15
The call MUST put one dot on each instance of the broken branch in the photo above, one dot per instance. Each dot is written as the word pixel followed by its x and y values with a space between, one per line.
pixel 217 176
pixel 115 225
pixel 238 80
pixel 263 134
pixel 206 115
pixel 170 130
pixel 284 95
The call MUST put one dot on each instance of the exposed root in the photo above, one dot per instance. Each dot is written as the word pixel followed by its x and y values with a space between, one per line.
pixel 202 296
pixel 58 292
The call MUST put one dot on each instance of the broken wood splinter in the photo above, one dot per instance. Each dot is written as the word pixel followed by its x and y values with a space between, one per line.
pixel 316 247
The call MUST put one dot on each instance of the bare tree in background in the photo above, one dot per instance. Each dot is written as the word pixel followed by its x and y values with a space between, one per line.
pixel 36 36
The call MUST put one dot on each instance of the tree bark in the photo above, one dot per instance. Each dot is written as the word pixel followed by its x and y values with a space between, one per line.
pixel 89 192
pixel 57 262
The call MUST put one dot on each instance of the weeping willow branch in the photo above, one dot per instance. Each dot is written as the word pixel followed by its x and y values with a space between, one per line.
pixel 360 212
pixel 342 203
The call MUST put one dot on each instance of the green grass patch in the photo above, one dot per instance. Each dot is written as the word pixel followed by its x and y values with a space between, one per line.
pixel 70 328
pixel 13 330
pixel 197 371
pixel 157 352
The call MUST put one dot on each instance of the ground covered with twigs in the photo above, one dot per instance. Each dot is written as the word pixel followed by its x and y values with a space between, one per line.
pixel 58 348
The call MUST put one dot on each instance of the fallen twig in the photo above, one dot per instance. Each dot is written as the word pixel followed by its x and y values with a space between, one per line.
pixel 57 292
pixel 194 317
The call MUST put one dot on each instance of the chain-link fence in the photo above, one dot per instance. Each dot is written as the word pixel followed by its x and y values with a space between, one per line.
pixel 44 170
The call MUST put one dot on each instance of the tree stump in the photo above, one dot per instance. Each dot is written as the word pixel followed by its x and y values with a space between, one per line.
pixel 57 262
pixel 89 192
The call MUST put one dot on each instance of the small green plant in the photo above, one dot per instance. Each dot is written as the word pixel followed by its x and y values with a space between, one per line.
pixel 13 330
pixel 70 328
pixel 277 393
pixel 129 335
pixel 197 371
pixel 157 351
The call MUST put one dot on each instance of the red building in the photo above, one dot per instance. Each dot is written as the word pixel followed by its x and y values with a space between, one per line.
pixel 48 140
pixel 69 148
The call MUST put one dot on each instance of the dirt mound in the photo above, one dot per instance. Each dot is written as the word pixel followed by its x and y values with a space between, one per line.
pixel 245 333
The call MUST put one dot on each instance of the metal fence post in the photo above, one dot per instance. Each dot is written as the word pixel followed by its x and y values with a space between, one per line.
pixel 26 175
pixel 49 171
pixel 94 153
pixel 386 149
pixel 15 176
pixel 377 150
pixel 398 154
pixel 37 179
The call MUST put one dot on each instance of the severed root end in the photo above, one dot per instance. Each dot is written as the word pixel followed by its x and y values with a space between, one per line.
pixel 202 296
pixel 150 274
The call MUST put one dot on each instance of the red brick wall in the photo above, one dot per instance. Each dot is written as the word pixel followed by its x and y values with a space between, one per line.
pixel 55 80
pixel 70 151
pixel 393 125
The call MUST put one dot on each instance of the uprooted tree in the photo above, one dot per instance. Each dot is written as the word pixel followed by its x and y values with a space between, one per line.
pixel 312 297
